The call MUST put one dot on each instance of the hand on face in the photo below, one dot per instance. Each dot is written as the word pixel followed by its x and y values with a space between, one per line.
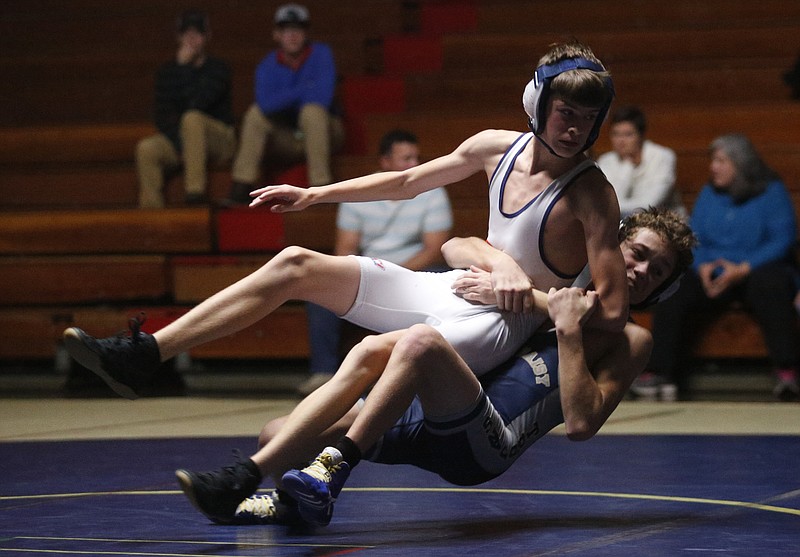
pixel 191 47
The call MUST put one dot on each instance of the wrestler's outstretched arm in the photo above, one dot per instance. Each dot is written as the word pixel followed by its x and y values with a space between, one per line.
pixel 478 153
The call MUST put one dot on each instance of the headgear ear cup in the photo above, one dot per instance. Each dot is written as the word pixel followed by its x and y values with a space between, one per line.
pixel 530 102
pixel 536 94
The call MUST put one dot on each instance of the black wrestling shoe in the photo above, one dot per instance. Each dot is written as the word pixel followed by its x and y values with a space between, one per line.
pixel 127 363
pixel 218 494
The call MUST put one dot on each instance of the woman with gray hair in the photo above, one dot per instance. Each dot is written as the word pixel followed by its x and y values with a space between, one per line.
pixel 745 224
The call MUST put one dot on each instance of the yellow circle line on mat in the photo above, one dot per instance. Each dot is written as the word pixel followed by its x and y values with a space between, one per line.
pixel 638 496
pixel 641 496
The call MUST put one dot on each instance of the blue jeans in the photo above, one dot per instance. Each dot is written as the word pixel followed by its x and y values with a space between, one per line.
pixel 324 334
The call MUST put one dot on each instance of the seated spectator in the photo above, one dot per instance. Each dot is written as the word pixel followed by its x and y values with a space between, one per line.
pixel 408 232
pixel 745 224
pixel 292 117
pixel 642 172
pixel 193 116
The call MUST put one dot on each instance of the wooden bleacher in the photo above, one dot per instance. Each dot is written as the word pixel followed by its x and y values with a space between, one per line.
pixel 74 250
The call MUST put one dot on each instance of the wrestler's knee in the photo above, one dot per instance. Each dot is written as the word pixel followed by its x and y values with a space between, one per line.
pixel 421 343
pixel 294 261
pixel 373 353
pixel 270 430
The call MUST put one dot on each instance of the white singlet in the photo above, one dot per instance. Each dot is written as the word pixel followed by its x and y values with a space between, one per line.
pixel 521 234
pixel 391 297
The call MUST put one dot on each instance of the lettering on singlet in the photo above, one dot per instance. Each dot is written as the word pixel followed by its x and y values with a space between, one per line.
pixel 539 368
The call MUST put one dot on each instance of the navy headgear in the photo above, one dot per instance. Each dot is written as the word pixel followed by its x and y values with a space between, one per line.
pixel 537 92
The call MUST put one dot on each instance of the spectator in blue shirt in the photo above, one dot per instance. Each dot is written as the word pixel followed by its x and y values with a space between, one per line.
pixel 293 114
pixel 745 223
pixel 408 232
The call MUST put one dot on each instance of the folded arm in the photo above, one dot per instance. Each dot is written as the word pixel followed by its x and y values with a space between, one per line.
pixel 508 286
pixel 590 392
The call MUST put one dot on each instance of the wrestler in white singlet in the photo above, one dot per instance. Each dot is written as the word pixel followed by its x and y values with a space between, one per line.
pixel 391 297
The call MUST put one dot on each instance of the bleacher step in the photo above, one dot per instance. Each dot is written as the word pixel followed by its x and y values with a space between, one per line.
pixel 122 231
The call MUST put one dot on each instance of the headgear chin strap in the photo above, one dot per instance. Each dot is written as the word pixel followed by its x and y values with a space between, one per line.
pixel 666 290
pixel 537 92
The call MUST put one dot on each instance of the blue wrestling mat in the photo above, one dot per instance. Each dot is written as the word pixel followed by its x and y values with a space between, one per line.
pixel 613 495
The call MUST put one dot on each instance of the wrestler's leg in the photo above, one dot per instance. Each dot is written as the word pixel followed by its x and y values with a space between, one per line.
pixel 422 364
pixel 315 422
pixel 294 274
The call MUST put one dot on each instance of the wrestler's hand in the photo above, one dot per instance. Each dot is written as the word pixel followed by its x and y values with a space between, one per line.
pixel 281 199
pixel 475 285
pixel 512 287
pixel 570 307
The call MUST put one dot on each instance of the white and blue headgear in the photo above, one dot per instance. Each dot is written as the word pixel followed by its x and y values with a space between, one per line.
pixel 536 94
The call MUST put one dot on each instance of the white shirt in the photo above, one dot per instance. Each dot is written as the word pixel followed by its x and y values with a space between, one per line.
pixel 652 182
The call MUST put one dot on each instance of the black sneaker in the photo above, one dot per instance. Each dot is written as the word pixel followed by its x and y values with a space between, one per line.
pixel 218 494
pixel 127 363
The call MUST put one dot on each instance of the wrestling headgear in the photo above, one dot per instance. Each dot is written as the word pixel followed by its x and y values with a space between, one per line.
pixel 537 92
pixel 664 291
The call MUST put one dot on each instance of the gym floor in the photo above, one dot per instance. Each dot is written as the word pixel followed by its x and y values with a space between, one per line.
pixel 95 477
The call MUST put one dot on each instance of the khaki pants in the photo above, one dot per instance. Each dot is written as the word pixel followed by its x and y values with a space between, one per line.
pixel 204 140
pixel 318 135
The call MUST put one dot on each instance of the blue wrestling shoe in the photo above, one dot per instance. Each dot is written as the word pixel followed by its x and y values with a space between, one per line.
pixel 316 487
pixel 274 508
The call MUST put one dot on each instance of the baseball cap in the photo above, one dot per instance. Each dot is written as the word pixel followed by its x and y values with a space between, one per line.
pixel 292 14
pixel 193 19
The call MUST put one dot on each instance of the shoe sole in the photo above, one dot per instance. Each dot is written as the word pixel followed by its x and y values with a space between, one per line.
pixel 645 392
pixel 185 481
pixel 308 503
pixel 74 343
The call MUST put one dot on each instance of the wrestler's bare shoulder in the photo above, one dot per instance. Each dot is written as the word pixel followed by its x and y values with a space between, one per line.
pixel 593 177
pixel 491 141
